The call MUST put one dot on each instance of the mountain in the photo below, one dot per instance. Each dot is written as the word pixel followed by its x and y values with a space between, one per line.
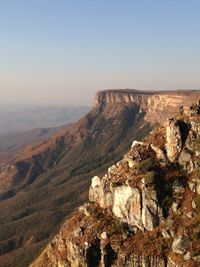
pixel 48 180
pixel 12 144
pixel 18 118
pixel 145 211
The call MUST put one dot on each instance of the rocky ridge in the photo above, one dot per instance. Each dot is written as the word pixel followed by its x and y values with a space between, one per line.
pixel 154 106
pixel 57 172
pixel 145 211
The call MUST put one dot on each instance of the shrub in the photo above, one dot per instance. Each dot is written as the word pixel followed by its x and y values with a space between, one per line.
pixel 145 165
pixel 116 184
pixel 197 202
pixel 150 178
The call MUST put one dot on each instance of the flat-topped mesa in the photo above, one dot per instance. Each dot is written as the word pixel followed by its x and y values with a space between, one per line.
pixel 121 96
pixel 158 105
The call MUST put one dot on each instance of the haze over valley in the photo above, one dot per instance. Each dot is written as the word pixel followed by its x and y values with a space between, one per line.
pixel 18 118
pixel 99 133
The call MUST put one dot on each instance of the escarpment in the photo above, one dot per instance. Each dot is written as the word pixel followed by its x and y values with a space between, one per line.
pixel 158 105
pixel 145 211
pixel 109 106
pixel 56 174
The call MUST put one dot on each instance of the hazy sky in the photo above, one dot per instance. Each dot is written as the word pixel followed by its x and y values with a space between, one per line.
pixel 63 51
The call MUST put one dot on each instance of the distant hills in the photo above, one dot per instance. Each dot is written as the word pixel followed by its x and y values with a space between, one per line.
pixel 18 118
pixel 48 180
pixel 12 143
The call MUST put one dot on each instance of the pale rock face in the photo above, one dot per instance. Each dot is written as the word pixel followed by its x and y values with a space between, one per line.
pixel 194 206
pixel 198 188
pixel 182 139
pixel 95 181
pixel 152 213
pixel 96 189
pixel 165 233
pixel 174 208
pixel 111 169
pixel 173 140
pixel 192 186
pixel 187 256
pixel 127 205
pixel 131 163
pixel 180 244
pixel 137 207
pixel 136 143
pixel 159 154
pixel 98 193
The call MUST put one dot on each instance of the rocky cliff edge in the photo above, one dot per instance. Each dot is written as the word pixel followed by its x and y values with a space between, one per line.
pixel 145 211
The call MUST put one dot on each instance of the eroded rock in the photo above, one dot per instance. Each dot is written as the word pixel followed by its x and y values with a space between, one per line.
pixel 180 244
pixel 173 140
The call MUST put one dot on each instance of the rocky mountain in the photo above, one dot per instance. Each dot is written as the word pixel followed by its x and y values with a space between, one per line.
pixel 48 180
pixel 145 211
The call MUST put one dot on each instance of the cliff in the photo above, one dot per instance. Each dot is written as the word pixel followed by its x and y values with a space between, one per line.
pixel 56 173
pixel 145 211
pixel 158 105
pixel 154 106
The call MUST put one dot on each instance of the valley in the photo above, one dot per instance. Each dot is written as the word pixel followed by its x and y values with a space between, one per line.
pixel 48 180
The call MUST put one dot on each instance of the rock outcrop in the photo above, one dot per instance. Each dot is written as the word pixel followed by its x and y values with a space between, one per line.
pixel 139 192
pixel 137 205
pixel 174 140
pixel 183 139
pixel 145 211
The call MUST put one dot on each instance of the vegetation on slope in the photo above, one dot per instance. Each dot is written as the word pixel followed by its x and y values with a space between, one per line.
pixel 34 214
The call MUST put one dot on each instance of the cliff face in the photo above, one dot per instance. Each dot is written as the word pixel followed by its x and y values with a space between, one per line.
pixel 103 98
pixel 57 172
pixel 158 105
pixel 154 106
pixel 135 202
pixel 145 211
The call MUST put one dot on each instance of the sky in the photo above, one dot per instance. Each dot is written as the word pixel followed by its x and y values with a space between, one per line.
pixel 63 51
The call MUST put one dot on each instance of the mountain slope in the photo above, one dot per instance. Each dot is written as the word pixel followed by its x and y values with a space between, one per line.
pixel 50 179
pixel 12 144
pixel 145 211
pixel 44 196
